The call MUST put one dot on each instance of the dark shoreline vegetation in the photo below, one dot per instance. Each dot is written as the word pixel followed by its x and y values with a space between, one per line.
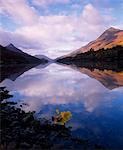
pixel 110 59
pixel 20 130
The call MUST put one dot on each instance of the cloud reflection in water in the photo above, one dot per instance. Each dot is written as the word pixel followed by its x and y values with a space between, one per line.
pixel 57 85
pixel 97 111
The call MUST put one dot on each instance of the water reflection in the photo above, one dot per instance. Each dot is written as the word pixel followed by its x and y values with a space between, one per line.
pixel 110 79
pixel 14 71
pixel 97 111
pixel 61 85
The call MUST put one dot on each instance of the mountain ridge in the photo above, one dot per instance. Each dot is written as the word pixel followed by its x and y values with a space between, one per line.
pixel 13 48
pixel 12 55
pixel 109 38
pixel 43 57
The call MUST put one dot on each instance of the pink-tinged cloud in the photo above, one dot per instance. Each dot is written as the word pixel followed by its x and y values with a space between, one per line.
pixel 19 10
pixel 44 3
pixel 52 35
pixel 91 15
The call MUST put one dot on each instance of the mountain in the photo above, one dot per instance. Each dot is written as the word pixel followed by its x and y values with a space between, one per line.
pixel 50 61
pixel 106 52
pixel 13 48
pixel 44 57
pixel 12 55
pixel 110 38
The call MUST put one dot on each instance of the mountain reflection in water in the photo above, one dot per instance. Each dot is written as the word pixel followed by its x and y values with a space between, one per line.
pixel 110 79
pixel 93 97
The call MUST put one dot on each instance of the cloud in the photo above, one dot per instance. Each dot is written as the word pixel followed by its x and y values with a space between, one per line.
pixel 91 15
pixel 44 3
pixel 47 34
pixel 20 41
pixel 19 10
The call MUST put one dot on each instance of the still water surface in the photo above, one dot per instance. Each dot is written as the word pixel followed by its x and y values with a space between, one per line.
pixel 95 99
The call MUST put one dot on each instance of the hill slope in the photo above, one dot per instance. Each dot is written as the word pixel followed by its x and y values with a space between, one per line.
pixel 110 38
pixel 13 48
pixel 44 57
pixel 12 55
pixel 106 52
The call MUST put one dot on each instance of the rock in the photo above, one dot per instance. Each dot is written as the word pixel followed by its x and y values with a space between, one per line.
pixel 14 123
pixel 25 145
pixel 28 118
pixel 36 147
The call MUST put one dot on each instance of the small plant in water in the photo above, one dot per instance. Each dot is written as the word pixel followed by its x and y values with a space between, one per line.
pixel 61 117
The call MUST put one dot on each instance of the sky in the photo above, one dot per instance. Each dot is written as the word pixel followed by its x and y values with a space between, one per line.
pixel 56 27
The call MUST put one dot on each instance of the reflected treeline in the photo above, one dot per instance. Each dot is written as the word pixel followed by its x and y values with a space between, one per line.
pixel 101 65
pixel 109 78
pixel 20 130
